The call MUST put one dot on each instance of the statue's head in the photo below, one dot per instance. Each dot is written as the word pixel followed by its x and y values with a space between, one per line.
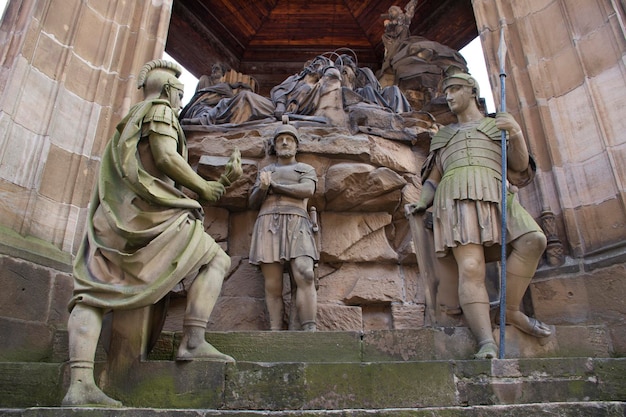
pixel 316 65
pixel 456 76
pixel 218 70
pixel 284 128
pixel 394 12
pixel 348 69
pixel 159 79
pixel 345 60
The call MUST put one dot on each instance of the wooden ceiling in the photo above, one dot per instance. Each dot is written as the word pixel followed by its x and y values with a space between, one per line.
pixel 272 39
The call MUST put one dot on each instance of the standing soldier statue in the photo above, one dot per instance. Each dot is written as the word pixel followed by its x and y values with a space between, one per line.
pixel 283 233
pixel 461 180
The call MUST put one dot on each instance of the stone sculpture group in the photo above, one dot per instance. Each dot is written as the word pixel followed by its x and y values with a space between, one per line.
pixel 145 234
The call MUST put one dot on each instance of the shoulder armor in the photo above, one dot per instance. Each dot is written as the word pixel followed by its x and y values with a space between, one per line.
pixel 160 112
pixel 488 127
pixel 442 137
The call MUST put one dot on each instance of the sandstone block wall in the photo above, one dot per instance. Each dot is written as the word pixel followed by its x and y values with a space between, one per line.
pixel 67 71
pixel 66 79
pixel 566 82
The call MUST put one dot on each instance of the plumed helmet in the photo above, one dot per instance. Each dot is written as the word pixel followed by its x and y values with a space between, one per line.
pixel 156 74
pixel 456 76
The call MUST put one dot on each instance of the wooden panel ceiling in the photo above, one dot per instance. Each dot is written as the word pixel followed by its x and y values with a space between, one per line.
pixel 272 39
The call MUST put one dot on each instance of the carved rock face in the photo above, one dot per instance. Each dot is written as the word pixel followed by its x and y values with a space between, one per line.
pixel 364 180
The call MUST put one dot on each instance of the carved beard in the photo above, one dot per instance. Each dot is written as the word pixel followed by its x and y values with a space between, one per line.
pixel 285 153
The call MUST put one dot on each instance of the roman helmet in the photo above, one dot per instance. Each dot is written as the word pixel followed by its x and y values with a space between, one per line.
pixel 285 127
pixel 456 76
pixel 156 75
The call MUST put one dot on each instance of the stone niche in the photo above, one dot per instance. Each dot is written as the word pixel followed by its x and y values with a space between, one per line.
pixel 368 275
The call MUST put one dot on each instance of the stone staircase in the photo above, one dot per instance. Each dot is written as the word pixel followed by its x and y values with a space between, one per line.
pixel 423 372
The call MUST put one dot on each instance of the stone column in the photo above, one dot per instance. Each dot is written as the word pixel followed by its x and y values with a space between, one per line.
pixel 566 81
pixel 67 76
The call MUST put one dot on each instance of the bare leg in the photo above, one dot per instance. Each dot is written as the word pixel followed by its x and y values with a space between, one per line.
pixel 448 288
pixel 201 299
pixel 521 266
pixel 273 274
pixel 474 298
pixel 306 296
pixel 84 326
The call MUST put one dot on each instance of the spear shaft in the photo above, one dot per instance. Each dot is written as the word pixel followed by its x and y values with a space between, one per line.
pixel 503 203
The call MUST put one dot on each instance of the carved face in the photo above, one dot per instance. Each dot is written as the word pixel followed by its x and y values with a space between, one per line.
pixel 217 72
pixel 175 97
pixel 394 12
pixel 459 98
pixel 348 77
pixel 285 145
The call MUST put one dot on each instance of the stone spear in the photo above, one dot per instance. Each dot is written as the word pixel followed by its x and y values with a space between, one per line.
pixel 503 203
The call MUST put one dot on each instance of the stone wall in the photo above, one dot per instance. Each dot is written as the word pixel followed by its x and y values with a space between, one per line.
pixel 67 71
pixel 566 81
pixel 33 303
pixel 66 79
pixel 368 273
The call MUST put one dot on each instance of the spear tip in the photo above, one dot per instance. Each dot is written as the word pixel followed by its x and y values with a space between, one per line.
pixel 502 49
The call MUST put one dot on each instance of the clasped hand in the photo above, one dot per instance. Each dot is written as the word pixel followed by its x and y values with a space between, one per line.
pixel 265 179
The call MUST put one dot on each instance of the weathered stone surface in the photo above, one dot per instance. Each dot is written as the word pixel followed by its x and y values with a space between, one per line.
pixel 394 155
pixel 20 387
pixel 561 301
pixel 361 384
pixel 376 283
pixel 377 316
pixel 24 341
pixel 181 384
pixel 589 298
pixel 407 316
pixel 295 370
pixel 574 409
pixel 23 285
pixel 356 238
pixel 361 187
pixel 338 317
pixel 329 143
pixel 216 222
pixel 413 284
pixel 334 286
pixel 241 225
pixel 62 288
pixel 239 313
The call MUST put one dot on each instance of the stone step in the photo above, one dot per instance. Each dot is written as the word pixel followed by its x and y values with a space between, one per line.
pixel 570 409
pixel 331 386
pixel 439 343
